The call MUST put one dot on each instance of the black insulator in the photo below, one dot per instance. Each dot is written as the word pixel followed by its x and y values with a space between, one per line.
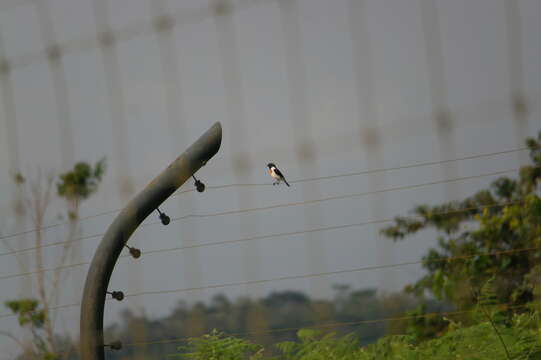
pixel 117 295
pixel 200 187
pixel 164 218
pixel 135 253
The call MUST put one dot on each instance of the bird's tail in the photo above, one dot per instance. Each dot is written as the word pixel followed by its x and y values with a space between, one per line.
pixel 286 182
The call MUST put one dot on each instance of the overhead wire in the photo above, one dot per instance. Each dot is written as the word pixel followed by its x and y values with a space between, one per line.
pixel 335 324
pixel 58 307
pixel 328 273
pixel 266 236
pixel 311 275
pixel 340 197
pixel 326 325
pixel 298 203
pixel 365 172
pixel 358 173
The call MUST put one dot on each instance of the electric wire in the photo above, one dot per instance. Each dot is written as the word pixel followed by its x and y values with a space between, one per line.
pixel 312 275
pixel 217 187
pixel 266 236
pixel 327 273
pixel 284 205
pixel 332 325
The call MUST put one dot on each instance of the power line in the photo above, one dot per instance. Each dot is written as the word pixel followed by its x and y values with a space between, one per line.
pixel 358 173
pixel 367 172
pixel 57 243
pixel 340 197
pixel 326 325
pixel 64 306
pixel 5 277
pixel 329 325
pixel 261 237
pixel 327 273
pixel 46 227
pixel 240 211
pixel 312 275
pixel 325 228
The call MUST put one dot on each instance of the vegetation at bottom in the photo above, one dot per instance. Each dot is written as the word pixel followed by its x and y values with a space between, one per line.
pixel 477 342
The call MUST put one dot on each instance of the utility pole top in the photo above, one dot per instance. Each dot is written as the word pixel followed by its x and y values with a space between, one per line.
pixel 118 233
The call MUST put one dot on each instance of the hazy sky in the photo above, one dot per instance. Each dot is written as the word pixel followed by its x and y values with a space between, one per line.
pixel 363 67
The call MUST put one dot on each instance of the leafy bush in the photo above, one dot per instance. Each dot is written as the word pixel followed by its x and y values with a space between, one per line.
pixel 216 346
pixel 314 345
pixel 478 342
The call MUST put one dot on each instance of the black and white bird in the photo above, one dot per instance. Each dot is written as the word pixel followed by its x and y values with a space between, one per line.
pixel 276 174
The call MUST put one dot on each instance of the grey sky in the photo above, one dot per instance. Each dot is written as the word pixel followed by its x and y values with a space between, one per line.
pixel 393 72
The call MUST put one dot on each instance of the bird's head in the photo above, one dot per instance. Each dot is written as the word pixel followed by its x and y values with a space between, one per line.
pixel 271 165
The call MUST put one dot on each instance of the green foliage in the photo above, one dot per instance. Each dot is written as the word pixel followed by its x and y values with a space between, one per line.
pixel 82 181
pixel 216 346
pixel 51 356
pixel 315 345
pixel 487 300
pixel 478 241
pixel 31 316
pixel 79 184
pixel 424 325
pixel 27 311
pixel 477 342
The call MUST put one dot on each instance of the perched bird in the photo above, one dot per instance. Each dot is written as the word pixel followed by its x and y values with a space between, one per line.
pixel 276 174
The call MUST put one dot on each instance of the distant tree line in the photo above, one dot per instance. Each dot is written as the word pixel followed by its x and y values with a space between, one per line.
pixel 274 318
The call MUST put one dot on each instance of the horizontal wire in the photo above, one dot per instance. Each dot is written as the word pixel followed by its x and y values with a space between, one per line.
pixel 46 227
pixel 327 273
pixel 261 237
pixel 378 170
pixel 340 197
pixel 57 243
pixel 325 228
pixel 240 211
pixel 328 325
pixel 324 325
pixel 364 172
pixel 58 307
pixel 28 273
pixel 312 275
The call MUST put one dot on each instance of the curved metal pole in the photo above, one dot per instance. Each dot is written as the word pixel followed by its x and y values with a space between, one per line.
pixel 118 233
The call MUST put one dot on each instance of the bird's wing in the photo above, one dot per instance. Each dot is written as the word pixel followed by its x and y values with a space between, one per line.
pixel 278 172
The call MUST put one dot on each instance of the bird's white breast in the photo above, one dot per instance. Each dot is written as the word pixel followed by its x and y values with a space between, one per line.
pixel 273 173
